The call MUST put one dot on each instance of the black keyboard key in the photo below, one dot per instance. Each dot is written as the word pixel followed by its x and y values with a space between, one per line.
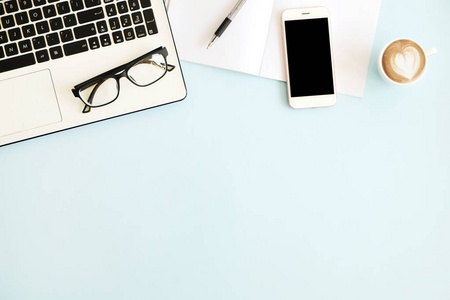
pixel 94 43
pixel 140 31
pixel 8 21
pixel 114 23
pixel 84 31
pixel 76 5
pixel 25 46
pixel 51 1
pixel 56 52
pixel 102 27
pixel 125 20
pixel 137 18
pixel 90 15
pixel 151 28
pixel 145 3
pixel 11 6
pixel 49 11
pixel 107 1
pixel 63 7
pixel 2 54
pixel 117 37
pixel 52 39
pixel 122 7
pixel 56 24
pixel 105 40
pixel 38 2
pixel 25 4
pixel 28 31
pixel 91 3
pixel 22 18
pixel 42 27
pixel 11 49
pixel 38 42
pixel 66 35
pixel 2 10
pixel 35 14
pixel 150 21
pixel 17 62
pixel 42 56
pixel 111 10
pixel 133 4
pixel 75 47
pixel 3 37
pixel 129 34
pixel 14 34
pixel 70 20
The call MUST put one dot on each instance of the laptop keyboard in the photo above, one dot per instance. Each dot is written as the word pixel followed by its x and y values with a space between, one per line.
pixel 36 31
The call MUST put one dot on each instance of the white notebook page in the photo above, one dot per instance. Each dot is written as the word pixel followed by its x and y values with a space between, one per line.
pixel 240 48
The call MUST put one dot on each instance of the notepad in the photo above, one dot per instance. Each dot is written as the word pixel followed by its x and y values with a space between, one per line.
pixel 253 42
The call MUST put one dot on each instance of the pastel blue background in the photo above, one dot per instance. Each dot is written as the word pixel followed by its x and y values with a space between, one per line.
pixel 231 194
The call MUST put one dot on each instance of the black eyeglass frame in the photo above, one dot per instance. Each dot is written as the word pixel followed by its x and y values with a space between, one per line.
pixel 117 73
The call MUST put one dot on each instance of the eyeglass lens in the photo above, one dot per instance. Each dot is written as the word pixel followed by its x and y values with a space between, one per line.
pixel 143 73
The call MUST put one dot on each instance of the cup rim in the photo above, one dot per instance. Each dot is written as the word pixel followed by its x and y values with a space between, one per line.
pixel 380 63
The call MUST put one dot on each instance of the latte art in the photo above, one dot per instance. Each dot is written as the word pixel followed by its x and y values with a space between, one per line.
pixel 403 61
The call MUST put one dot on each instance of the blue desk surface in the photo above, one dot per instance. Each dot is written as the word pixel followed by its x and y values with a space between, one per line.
pixel 231 194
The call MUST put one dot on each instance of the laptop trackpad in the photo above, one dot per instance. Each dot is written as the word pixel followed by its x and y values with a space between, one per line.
pixel 28 102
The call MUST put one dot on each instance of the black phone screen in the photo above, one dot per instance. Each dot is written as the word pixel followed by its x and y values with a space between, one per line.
pixel 309 57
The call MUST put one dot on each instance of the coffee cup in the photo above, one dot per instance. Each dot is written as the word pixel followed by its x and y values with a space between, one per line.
pixel 403 61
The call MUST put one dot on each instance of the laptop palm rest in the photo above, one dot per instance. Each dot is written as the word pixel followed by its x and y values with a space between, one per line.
pixel 31 104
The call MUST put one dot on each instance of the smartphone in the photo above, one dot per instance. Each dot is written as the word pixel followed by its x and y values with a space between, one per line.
pixel 309 57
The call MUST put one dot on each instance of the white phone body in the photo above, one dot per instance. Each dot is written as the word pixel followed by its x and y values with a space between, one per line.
pixel 309 57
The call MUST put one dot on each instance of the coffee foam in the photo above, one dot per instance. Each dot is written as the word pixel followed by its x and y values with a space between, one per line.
pixel 403 61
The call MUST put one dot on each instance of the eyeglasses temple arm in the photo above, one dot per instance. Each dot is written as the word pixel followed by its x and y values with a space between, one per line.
pixel 170 67
pixel 86 109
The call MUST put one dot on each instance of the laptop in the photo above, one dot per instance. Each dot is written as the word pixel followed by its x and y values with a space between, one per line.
pixel 48 47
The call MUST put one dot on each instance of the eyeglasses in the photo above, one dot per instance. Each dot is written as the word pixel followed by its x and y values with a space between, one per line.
pixel 104 89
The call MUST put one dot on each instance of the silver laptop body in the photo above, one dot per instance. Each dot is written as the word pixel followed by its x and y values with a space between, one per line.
pixel 49 46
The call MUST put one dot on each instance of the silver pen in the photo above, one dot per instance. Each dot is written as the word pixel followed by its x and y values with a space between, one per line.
pixel 227 21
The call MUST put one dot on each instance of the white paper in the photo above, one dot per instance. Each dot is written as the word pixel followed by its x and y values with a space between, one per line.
pixel 240 48
pixel 253 42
